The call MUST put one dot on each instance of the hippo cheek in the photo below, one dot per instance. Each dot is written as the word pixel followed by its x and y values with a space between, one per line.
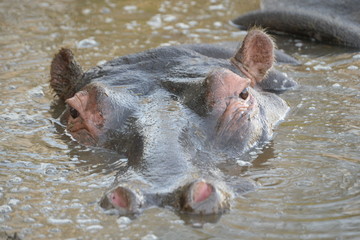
pixel 237 115
pixel 82 131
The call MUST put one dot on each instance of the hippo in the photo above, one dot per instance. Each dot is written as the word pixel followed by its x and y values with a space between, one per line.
pixel 175 113
pixel 329 21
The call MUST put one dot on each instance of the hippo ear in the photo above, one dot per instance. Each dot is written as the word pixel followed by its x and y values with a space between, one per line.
pixel 65 74
pixel 256 55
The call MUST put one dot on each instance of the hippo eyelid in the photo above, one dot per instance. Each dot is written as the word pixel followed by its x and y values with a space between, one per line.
pixel 73 112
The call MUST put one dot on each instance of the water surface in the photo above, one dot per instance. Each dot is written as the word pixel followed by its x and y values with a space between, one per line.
pixel 308 176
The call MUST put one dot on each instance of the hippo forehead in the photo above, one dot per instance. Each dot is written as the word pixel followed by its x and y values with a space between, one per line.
pixel 156 66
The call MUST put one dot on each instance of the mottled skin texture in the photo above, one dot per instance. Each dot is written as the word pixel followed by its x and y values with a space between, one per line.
pixel 172 111
pixel 329 21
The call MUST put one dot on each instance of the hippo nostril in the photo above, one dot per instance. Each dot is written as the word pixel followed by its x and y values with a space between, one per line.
pixel 244 94
pixel 73 112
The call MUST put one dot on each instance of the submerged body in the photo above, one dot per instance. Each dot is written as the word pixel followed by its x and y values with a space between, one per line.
pixel 329 21
pixel 172 111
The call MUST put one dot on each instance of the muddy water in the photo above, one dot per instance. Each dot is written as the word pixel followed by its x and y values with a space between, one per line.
pixel 308 176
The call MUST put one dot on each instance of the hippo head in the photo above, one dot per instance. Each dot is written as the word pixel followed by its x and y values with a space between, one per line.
pixel 242 112
pixel 127 101
pixel 237 106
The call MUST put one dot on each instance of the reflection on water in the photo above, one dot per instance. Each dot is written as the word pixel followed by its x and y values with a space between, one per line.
pixel 308 176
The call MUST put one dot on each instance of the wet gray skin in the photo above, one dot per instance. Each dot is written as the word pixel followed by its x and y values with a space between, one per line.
pixel 329 21
pixel 172 111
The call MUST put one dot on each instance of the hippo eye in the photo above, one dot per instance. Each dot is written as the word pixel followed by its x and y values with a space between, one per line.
pixel 73 112
pixel 244 94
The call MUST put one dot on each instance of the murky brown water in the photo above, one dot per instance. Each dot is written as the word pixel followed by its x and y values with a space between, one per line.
pixel 49 185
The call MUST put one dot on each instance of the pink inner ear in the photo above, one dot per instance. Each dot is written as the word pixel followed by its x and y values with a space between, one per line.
pixel 256 55
pixel 201 191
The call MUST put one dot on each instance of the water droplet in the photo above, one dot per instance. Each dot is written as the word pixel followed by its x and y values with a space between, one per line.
pixel 88 221
pixel 75 205
pixel 352 67
pixel 15 180
pixel 105 10
pixel 14 202
pixel 29 220
pixel 21 189
pixel 182 25
pixel 86 11
pixel 5 209
pixel 123 220
pixel 155 21
pixel 149 237
pixel 169 18
pixel 87 43
pixel 217 24
pixel 321 67
pixel 108 20
pixel 59 221
pixel 26 207
pixel 102 62
pixel 243 163
pixel 216 7
pixel 94 227
pixel 130 8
